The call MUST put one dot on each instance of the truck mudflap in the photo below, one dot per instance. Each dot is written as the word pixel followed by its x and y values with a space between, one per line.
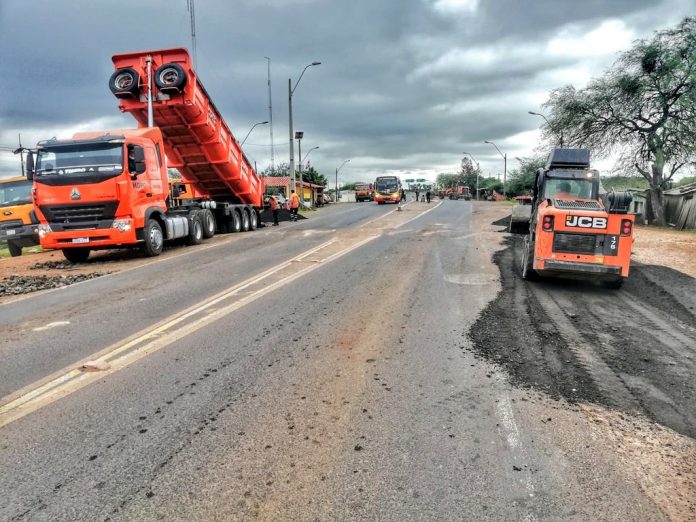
pixel 568 267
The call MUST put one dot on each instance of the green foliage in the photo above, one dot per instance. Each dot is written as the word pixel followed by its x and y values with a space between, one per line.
pixel 624 182
pixel 280 170
pixel 685 181
pixel 310 175
pixel 521 179
pixel 173 174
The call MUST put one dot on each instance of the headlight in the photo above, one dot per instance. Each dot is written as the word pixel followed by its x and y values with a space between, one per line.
pixel 122 225
pixel 44 229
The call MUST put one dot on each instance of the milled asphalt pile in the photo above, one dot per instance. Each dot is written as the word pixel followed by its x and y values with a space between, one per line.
pixel 18 284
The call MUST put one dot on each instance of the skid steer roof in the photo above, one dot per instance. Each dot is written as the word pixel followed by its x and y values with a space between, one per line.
pixel 569 158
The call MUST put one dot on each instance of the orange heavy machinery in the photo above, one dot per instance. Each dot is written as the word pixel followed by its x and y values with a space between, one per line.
pixel 576 230
pixel 18 223
pixel 110 189
pixel 364 192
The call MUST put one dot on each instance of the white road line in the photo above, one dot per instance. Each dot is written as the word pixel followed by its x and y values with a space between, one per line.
pixel 50 325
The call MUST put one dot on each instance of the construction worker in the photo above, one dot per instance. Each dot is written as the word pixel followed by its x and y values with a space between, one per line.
pixel 294 205
pixel 427 196
pixel 275 208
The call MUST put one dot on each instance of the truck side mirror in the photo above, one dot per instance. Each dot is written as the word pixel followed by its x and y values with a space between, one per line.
pixel 136 160
pixel 30 166
pixel 139 167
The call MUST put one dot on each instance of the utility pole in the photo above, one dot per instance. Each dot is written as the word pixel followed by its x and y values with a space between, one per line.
pixel 21 153
pixel 192 15
pixel 270 114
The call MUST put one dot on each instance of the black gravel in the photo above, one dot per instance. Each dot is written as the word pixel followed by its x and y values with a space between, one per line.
pixel 17 284
pixel 649 347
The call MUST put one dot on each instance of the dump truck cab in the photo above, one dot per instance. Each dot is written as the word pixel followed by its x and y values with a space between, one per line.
pixel 113 182
pixel 18 221
pixel 576 230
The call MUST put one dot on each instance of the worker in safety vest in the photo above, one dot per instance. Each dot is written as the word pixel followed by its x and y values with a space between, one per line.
pixel 294 205
pixel 275 208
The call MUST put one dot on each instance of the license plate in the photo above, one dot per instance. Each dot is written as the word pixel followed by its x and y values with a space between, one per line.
pixel 10 232
pixel 80 240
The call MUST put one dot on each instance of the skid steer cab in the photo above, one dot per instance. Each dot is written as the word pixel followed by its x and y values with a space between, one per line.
pixel 576 230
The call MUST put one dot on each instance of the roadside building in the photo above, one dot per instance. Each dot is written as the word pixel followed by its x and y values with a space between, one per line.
pixel 680 207
pixel 310 193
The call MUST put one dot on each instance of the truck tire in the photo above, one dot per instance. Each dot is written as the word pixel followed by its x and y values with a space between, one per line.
pixel 170 77
pixel 125 83
pixel 14 248
pixel 208 223
pixel 253 219
pixel 236 221
pixel 245 221
pixel 76 255
pixel 195 235
pixel 153 239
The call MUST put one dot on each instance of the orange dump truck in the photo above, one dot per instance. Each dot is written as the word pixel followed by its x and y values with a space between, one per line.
pixel 110 189
pixel 576 230
pixel 18 223
pixel 364 192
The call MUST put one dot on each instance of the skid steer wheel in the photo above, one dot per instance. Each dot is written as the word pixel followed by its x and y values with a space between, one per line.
pixel 195 235
pixel 153 239
pixel 246 222
pixel 528 272
pixel 76 255
pixel 14 248
pixel 208 223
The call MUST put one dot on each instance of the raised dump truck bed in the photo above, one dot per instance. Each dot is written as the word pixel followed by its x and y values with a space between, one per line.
pixel 197 140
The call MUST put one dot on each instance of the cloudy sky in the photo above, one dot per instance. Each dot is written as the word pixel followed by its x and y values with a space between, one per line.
pixel 405 86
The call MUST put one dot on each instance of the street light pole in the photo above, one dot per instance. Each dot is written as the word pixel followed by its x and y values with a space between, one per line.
pixel 549 124
pixel 504 156
pixel 252 128
pixel 339 168
pixel 478 173
pixel 291 90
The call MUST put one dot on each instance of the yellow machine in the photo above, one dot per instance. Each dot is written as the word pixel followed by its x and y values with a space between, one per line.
pixel 18 223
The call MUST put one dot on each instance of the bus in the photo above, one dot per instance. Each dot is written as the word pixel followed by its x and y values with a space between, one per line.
pixel 387 189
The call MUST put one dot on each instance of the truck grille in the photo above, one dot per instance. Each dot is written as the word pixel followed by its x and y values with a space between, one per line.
pixel 13 223
pixel 82 213
pixel 569 204
pixel 574 243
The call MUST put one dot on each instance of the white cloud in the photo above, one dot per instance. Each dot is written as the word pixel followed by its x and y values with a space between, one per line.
pixel 448 7
pixel 607 39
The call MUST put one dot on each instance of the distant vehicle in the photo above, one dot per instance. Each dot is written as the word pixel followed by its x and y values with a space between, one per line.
pixel 364 192
pixel 279 198
pixel 387 190
pixel 18 223
pixel 576 230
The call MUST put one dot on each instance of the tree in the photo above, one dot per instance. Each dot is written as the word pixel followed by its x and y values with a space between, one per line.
pixel 521 180
pixel 643 109
pixel 310 175
pixel 281 169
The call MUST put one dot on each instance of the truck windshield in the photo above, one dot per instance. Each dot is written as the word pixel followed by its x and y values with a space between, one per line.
pixel 581 188
pixel 80 160
pixel 362 187
pixel 15 193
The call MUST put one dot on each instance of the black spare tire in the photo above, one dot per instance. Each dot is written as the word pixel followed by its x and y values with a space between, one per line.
pixel 170 78
pixel 125 83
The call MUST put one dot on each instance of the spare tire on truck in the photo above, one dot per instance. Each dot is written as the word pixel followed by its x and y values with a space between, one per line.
pixel 125 83
pixel 170 78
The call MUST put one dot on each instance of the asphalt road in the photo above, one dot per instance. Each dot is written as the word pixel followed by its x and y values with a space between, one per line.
pixel 340 385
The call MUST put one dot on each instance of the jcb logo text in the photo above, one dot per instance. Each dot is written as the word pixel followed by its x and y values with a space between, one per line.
pixel 586 222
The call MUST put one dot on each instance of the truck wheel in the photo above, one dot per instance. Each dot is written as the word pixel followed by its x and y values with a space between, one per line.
pixel 528 272
pixel 170 77
pixel 124 83
pixel 253 219
pixel 236 221
pixel 14 248
pixel 195 235
pixel 208 223
pixel 153 239
pixel 76 255
pixel 245 221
